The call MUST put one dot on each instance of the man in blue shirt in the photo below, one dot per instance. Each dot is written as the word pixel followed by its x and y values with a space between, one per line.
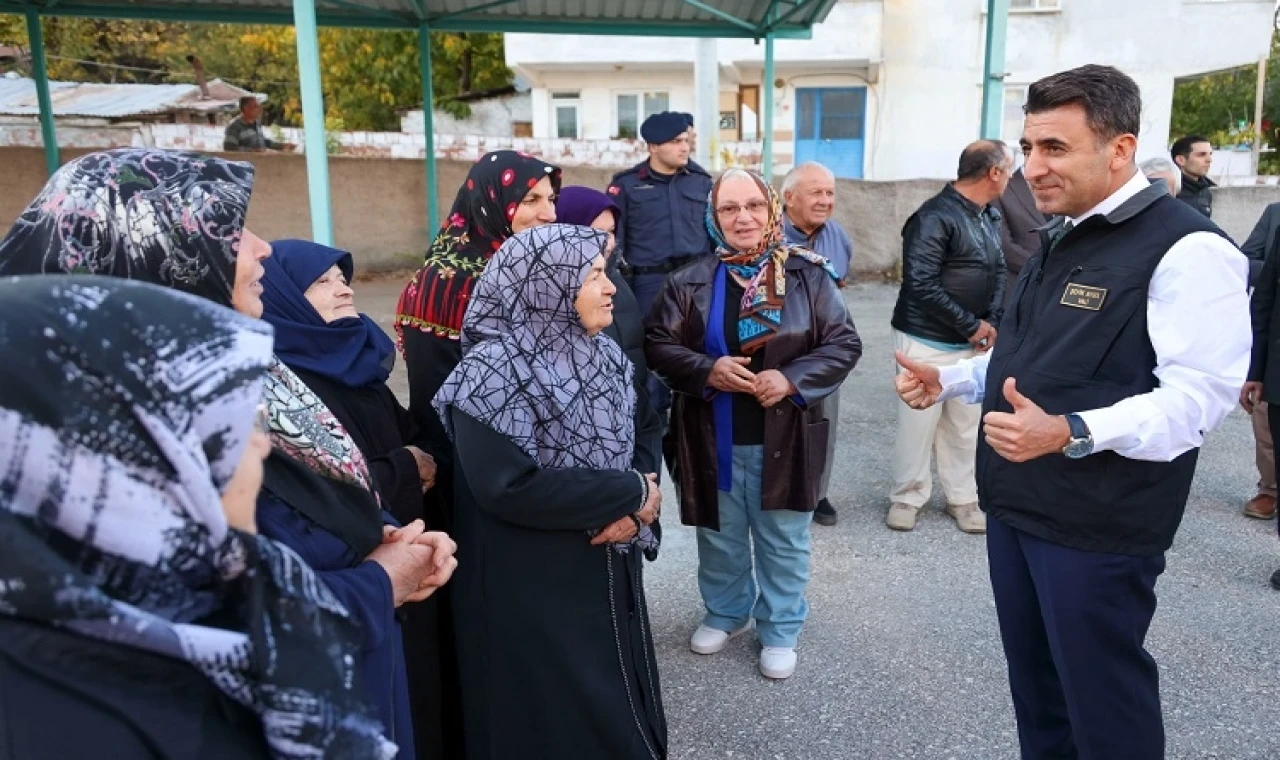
pixel 809 198
pixel 664 211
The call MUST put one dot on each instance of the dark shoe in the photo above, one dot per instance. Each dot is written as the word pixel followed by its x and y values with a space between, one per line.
pixel 825 514
pixel 1275 580
pixel 1262 507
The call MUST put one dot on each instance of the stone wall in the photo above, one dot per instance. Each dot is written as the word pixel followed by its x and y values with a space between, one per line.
pixel 380 208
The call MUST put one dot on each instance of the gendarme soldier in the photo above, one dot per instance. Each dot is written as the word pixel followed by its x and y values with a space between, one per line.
pixel 664 215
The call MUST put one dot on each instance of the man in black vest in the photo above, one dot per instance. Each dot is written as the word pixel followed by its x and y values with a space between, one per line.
pixel 1127 340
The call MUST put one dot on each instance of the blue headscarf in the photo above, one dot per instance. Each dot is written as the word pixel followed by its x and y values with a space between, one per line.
pixel 353 351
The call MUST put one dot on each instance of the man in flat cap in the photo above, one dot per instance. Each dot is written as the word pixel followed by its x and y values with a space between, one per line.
pixel 663 223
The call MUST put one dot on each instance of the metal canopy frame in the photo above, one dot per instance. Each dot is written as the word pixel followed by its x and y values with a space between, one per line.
pixel 765 20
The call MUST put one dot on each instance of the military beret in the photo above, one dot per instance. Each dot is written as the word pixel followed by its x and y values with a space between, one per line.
pixel 663 127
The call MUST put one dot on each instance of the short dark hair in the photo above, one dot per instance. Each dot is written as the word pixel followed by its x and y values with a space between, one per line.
pixel 1111 100
pixel 1182 146
pixel 246 100
pixel 978 158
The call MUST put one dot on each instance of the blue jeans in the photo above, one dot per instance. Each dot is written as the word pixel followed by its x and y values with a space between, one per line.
pixel 781 540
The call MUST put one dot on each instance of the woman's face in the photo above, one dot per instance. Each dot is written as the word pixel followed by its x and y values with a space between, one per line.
pixel 742 211
pixel 595 300
pixel 246 293
pixel 240 498
pixel 606 223
pixel 537 208
pixel 331 297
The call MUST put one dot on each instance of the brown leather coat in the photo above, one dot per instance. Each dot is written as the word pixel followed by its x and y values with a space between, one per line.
pixel 815 348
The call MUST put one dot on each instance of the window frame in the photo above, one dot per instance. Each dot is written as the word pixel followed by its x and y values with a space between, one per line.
pixel 640 110
pixel 566 99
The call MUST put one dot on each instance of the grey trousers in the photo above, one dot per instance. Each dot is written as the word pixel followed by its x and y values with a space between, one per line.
pixel 831 409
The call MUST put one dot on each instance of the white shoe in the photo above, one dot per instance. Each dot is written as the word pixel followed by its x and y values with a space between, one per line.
pixel 708 640
pixel 777 662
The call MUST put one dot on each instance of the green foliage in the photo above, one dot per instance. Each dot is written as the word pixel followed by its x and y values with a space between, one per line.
pixel 368 76
pixel 1221 107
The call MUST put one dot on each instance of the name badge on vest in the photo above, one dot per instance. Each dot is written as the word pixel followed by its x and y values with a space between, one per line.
pixel 1083 296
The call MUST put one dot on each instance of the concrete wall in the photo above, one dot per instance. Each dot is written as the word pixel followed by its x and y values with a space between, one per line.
pixel 492 116
pixel 379 207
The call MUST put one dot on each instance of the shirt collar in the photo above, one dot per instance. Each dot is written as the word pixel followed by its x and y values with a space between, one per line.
pixel 792 230
pixel 1136 184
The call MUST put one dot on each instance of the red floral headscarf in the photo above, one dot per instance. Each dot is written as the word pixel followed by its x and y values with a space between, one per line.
pixel 435 300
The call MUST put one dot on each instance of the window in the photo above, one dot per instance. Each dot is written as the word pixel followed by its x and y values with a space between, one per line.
pixel 1035 5
pixel 1015 95
pixel 564 112
pixel 634 107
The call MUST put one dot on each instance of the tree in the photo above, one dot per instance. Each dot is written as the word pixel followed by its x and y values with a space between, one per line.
pixel 368 76
pixel 1220 106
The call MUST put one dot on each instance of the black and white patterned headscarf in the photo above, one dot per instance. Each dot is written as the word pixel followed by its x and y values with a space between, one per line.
pixel 563 396
pixel 124 411
pixel 168 217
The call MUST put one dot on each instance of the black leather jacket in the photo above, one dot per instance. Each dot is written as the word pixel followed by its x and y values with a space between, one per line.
pixel 953 270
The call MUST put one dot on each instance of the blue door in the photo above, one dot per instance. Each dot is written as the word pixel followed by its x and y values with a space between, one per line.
pixel 830 124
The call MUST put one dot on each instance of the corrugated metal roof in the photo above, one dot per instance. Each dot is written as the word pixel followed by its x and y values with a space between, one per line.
pixel 695 18
pixel 114 101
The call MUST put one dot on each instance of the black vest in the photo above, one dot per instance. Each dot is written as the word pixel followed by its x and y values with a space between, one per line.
pixel 1077 340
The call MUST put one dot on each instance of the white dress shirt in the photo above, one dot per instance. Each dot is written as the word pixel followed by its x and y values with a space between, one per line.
pixel 1198 322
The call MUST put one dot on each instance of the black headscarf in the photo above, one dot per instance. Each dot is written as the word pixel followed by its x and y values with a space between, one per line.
pixel 124 412
pixel 435 300
pixel 167 217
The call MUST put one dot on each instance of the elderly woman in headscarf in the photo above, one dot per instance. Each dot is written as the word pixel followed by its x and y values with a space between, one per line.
pixel 750 341
pixel 587 207
pixel 505 192
pixel 345 358
pixel 177 219
pixel 553 632
pixel 140 615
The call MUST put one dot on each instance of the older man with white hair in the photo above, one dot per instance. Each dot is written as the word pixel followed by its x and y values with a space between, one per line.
pixel 809 199
pixel 1161 168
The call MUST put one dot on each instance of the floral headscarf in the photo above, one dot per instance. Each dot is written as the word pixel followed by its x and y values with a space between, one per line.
pixel 435 300
pixel 124 413
pixel 167 217
pixel 763 267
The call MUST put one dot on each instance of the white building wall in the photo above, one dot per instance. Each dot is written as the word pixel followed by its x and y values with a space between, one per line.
pixel 922 63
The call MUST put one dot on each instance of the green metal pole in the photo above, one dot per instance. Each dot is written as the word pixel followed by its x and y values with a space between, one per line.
pixel 428 126
pixel 48 134
pixel 304 22
pixel 766 92
pixel 993 69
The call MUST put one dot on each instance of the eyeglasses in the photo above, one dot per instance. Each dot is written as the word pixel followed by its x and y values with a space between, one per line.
pixel 731 210
pixel 261 421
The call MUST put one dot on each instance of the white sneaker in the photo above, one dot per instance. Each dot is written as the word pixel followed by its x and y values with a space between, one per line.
pixel 777 662
pixel 708 640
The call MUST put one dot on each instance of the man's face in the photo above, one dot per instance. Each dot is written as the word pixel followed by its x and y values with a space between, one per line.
pixel 1196 163
pixel 672 155
pixel 1068 170
pixel 252 111
pixel 1002 181
pixel 810 202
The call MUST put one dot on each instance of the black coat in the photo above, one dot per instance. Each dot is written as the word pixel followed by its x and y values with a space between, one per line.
pixel 381 428
pixel 1020 222
pixel 554 642
pixel 1261 240
pixel 1265 364
pixel 953 272
pixel 1198 194
pixel 627 330
pixel 815 348
pixel 67 696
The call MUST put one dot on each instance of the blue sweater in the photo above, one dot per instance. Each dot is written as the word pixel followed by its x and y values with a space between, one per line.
pixel 365 590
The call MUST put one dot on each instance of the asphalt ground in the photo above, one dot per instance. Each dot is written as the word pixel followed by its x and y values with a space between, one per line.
pixel 901 658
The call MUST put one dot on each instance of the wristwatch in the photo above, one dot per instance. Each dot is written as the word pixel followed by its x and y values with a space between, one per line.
pixel 1081 443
